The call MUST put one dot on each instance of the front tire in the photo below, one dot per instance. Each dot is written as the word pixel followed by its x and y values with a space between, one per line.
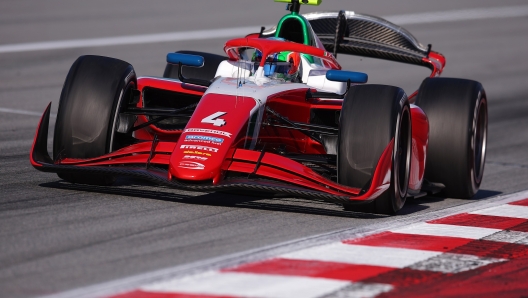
pixel 457 110
pixel 372 117
pixel 94 91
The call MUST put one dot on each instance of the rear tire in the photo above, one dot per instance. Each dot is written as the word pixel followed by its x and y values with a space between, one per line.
pixel 458 120
pixel 372 116
pixel 206 72
pixel 94 91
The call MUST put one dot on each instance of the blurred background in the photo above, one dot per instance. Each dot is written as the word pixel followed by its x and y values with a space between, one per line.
pixel 55 236
pixel 468 45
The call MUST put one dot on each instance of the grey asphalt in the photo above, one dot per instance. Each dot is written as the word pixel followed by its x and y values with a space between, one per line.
pixel 56 236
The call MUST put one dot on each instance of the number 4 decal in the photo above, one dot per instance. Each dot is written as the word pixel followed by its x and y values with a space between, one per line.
pixel 214 120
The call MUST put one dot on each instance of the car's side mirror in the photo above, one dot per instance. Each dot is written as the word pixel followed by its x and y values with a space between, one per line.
pixel 185 59
pixel 346 76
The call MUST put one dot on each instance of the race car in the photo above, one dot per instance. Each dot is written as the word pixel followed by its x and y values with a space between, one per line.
pixel 276 115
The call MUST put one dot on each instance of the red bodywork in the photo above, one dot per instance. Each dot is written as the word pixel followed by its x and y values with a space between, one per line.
pixel 226 152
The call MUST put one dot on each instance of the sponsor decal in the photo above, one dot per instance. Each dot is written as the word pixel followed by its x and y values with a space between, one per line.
pixel 211 131
pixel 191 165
pixel 206 139
pixel 214 120
pixel 198 147
pixel 196 152
pixel 194 157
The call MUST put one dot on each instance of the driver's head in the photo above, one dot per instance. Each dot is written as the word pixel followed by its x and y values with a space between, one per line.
pixel 281 65
pixel 288 69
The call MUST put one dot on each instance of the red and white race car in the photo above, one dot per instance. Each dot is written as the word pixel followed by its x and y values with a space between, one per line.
pixel 276 115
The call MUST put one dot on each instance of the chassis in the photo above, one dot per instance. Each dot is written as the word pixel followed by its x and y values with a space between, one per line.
pixel 220 123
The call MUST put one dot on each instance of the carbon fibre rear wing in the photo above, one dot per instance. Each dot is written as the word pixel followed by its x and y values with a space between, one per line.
pixel 346 32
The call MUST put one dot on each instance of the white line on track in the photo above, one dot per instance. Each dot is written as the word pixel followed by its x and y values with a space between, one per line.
pixel 460 15
pixel 505 210
pixel 249 285
pixel 443 230
pixel 129 39
pixel 394 257
pixel 406 19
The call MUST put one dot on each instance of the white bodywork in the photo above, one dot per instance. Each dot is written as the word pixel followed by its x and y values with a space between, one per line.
pixel 239 78
pixel 313 75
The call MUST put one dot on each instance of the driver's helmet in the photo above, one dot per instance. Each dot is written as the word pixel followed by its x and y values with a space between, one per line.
pixel 283 65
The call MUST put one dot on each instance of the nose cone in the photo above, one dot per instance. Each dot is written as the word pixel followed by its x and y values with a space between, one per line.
pixel 196 162
pixel 214 128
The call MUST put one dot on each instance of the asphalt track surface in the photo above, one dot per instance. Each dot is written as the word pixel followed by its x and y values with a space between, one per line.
pixel 56 236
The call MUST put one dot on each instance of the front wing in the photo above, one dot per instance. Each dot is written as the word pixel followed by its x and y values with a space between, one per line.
pixel 255 171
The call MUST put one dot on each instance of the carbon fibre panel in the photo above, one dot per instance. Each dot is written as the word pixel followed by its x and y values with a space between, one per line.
pixel 368 36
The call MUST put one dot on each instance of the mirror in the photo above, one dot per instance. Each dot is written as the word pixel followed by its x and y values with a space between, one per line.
pixel 185 59
pixel 345 76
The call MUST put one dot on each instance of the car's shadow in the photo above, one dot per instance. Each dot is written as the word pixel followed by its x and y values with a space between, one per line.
pixel 141 189
pixel 144 190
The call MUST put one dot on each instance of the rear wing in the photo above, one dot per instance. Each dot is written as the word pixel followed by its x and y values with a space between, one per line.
pixel 346 32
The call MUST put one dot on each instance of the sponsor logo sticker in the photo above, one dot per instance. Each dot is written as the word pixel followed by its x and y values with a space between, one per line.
pixel 211 131
pixel 198 147
pixel 204 139
pixel 191 165
pixel 196 152
pixel 194 157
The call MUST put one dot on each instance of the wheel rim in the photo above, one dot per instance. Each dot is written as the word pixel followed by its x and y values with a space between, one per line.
pixel 405 155
pixel 479 141
pixel 124 94
pixel 402 158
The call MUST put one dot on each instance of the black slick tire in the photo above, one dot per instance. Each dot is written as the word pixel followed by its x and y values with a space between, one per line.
pixel 95 89
pixel 206 72
pixel 372 116
pixel 458 120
